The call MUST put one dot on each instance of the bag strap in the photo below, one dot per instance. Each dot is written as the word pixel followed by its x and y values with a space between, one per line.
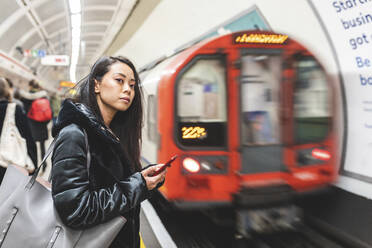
pixel 10 113
pixel 49 151
pixel 3 135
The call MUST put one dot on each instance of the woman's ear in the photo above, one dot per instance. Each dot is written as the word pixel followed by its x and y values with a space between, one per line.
pixel 96 86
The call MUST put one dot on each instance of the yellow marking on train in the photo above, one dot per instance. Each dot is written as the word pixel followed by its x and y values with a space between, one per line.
pixel 261 38
pixel 193 132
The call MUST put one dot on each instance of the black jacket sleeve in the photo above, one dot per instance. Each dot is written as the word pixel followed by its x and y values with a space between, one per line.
pixel 25 131
pixel 76 203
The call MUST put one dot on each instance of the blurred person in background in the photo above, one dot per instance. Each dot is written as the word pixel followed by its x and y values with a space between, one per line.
pixel 39 129
pixel 55 103
pixel 21 122
pixel 14 93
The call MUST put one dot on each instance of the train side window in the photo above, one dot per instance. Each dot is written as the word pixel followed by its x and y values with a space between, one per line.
pixel 151 118
pixel 201 103
pixel 311 102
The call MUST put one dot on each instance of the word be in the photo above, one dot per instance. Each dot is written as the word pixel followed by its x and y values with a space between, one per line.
pixel 363 62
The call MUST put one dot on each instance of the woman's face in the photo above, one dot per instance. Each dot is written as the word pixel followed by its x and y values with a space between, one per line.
pixel 116 90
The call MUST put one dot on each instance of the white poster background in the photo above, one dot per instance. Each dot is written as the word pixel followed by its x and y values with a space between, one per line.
pixel 352 46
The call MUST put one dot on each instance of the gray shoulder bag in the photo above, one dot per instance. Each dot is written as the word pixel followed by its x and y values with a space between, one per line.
pixel 28 217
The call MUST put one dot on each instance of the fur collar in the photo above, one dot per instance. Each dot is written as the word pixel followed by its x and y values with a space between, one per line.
pixel 33 96
pixel 82 116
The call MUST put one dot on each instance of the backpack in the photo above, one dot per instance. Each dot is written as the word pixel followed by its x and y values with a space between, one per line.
pixel 40 110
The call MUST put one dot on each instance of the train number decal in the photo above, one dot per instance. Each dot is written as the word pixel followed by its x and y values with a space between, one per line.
pixel 193 132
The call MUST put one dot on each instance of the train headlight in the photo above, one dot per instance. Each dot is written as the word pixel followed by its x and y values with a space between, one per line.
pixel 310 156
pixel 191 165
pixel 204 164
pixel 321 154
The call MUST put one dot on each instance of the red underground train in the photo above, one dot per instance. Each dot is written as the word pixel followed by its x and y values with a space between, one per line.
pixel 250 116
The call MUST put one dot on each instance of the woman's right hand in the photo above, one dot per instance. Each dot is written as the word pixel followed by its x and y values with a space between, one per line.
pixel 152 181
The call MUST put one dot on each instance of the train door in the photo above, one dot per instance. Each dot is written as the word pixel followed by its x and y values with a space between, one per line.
pixel 260 129
pixel 312 114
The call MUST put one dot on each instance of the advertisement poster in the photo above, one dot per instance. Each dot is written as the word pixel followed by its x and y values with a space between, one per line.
pixel 348 24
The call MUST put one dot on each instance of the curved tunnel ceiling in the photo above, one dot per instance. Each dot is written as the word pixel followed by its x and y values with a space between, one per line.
pixel 45 25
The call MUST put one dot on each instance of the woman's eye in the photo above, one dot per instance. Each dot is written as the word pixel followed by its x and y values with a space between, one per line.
pixel 119 80
pixel 132 85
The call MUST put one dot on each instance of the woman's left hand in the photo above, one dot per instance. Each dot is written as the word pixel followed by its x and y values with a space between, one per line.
pixel 153 181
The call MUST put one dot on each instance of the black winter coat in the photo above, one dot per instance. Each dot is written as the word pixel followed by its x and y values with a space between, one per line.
pixel 112 189
pixel 22 124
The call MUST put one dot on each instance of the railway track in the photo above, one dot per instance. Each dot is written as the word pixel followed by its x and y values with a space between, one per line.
pixel 192 229
pixel 301 237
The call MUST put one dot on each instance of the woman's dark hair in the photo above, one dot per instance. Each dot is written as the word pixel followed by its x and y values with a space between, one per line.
pixel 4 89
pixel 127 125
pixel 34 86
pixel 10 82
pixel 32 83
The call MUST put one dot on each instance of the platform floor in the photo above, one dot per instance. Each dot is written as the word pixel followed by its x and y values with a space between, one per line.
pixel 153 232
pixel 344 213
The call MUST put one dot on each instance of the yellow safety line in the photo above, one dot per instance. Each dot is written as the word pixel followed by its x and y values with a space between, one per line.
pixel 142 244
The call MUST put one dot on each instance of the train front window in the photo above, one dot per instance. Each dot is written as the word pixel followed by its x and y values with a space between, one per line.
pixel 201 103
pixel 311 102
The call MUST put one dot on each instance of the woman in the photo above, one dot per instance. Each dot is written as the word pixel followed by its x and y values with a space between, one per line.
pixel 109 108
pixel 21 122
pixel 14 93
pixel 39 130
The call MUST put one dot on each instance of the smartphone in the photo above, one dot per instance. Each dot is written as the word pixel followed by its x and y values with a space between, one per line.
pixel 167 164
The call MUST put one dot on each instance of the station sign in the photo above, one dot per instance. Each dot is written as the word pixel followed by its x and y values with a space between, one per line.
pixel 347 25
pixel 56 60
pixel 36 53
pixel 67 84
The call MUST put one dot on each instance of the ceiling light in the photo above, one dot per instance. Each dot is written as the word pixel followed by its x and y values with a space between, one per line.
pixel 75 6
pixel 75 21
pixel 75 10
